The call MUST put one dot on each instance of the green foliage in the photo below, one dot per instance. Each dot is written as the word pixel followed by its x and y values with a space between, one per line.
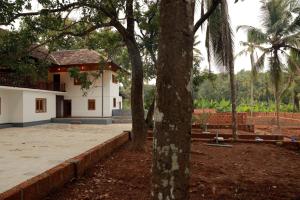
pixel 86 79
pixel 149 94
pixel 278 40
pixel 216 93
pixel 16 49
pixel 220 106
pixel 225 106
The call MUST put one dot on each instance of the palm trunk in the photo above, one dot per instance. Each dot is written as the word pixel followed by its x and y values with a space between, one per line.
pixel 173 110
pixel 277 102
pixel 251 96
pixel 139 134
pixel 233 102
pixel 252 81
pixel 296 102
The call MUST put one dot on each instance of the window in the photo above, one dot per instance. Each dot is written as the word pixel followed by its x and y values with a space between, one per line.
pixel 91 104
pixel 114 79
pixel 114 102
pixel 40 105
pixel 77 81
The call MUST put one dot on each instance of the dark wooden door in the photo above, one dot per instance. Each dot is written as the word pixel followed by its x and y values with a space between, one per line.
pixel 56 82
pixel 67 108
pixel 59 106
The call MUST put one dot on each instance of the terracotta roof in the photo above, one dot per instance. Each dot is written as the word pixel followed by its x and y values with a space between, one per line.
pixel 78 57
pixel 75 57
pixel 39 52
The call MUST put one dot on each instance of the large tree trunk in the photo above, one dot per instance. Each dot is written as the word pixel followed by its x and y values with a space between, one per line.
pixel 173 110
pixel 150 114
pixel 233 102
pixel 139 134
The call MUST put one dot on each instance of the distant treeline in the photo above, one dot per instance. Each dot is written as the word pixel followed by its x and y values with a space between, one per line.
pixel 215 93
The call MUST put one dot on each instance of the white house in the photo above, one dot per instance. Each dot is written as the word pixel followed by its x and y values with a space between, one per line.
pixel 61 96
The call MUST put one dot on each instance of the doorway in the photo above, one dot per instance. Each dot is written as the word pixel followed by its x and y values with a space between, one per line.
pixel 67 108
pixel 56 82
pixel 59 106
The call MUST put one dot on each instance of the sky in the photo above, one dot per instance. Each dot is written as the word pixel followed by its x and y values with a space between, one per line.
pixel 244 12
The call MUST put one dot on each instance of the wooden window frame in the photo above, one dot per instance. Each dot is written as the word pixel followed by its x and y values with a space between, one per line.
pixel 40 105
pixel 114 79
pixel 91 104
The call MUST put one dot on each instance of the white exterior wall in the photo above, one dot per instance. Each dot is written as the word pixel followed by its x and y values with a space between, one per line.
pixel 115 88
pixel 29 113
pixel 18 105
pixel 80 102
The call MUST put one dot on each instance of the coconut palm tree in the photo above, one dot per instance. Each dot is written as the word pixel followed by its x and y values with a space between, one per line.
pixel 294 71
pixel 279 36
pixel 219 44
pixel 250 50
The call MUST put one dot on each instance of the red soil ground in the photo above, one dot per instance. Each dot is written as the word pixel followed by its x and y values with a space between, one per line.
pixel 245 171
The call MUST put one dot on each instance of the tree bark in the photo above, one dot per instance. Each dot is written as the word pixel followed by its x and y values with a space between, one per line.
pixel 139 134
pixel 150 114
pixel 173 110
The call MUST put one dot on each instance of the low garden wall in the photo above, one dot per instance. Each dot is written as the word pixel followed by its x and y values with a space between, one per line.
pixel 221 121
pixel 273 114
pixel 219 118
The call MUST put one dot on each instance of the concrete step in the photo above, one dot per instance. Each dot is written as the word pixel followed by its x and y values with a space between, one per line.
pixel 122 117
pixel 82 120
pixel 6 126
pixel 121 121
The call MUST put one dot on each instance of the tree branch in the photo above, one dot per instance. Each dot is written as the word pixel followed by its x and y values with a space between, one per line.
pixel 130 17
pixel 40 12
pixel 206 15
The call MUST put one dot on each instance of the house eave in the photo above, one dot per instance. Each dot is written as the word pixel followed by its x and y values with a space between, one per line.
pixel 29 89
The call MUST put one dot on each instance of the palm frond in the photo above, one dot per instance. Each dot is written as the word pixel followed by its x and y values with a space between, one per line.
pixel 294 61
pixel 275 70
pixel 254 35
pixel 243 52
pixel 294 26
pixel 292 40
pixel 260 61
pixel 219 36
pixel 208 48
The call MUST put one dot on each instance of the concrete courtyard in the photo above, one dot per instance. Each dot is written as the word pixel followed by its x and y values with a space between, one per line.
pixel 27 152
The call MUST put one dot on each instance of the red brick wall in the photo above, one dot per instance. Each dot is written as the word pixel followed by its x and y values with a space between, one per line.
pixel 220 118
pixel 204 110
pixel 273 114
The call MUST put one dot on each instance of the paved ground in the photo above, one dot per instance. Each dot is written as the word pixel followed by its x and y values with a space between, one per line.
pixel 27 152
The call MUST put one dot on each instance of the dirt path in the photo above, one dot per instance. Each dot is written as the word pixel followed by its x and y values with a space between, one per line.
pixel 246 171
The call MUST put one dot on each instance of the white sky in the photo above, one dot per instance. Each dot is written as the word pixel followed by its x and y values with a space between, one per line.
pixel 245 12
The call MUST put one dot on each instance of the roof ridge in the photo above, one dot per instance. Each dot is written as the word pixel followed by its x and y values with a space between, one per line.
pixel 75 50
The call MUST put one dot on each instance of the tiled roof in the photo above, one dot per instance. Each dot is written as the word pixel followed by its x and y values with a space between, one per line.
pixel 75 57
pixel 39 52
